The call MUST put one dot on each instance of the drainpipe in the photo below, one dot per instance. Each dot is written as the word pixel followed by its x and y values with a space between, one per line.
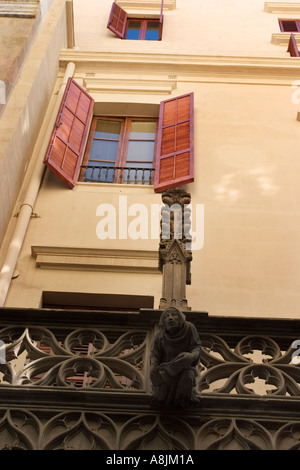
pixel 26 208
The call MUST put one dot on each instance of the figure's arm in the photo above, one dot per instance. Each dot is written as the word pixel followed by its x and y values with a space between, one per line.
pixel 190 357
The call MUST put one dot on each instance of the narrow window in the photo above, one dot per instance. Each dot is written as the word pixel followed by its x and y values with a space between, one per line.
pixel 292 26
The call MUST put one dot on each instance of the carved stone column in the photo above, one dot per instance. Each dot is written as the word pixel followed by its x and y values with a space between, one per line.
pixel 174 257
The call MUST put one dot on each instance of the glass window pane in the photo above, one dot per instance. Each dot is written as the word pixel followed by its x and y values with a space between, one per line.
pixel 140 151
pixel 104 150
pixel 108 129
pixel 152 32
pixel 133 31
pixel 142 130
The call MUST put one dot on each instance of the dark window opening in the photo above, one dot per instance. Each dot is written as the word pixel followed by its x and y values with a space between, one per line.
pixel 101 302
pixel 289 26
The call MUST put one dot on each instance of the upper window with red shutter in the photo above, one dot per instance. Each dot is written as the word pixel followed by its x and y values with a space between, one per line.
pixel 67 142
pixel 289 26
pixel 133 28
pixel 175 143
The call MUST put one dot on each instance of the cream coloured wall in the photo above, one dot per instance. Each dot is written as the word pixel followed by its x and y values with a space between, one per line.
pixel 25 110
pixel 217 27
pixel 246 176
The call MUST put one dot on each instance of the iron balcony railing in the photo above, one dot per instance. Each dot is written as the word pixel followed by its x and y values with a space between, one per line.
pixel 117 174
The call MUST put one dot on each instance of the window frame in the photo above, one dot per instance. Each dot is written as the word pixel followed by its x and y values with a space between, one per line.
pixel 143 30
pixel 281 25
pixel 121 157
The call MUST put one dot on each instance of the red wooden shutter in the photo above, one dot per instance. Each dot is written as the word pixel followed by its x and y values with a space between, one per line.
pixel 293 48
pixel 117 21
pixel 68 138
pixel 174 164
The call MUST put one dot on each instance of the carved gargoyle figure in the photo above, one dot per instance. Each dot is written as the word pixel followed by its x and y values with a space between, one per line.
pixel 175 354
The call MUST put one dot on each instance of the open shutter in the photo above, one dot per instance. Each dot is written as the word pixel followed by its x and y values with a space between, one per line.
pixel 293 48
pixel 174 163
pixel 117 20
pixel 69 134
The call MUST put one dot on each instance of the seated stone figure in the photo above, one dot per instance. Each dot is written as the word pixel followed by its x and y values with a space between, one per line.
pixel 175 353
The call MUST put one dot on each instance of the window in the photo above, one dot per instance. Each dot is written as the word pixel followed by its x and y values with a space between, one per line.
pixel 289 26
pixel 149 29
pixel 143 29
pixel 121 150
pixel 92 301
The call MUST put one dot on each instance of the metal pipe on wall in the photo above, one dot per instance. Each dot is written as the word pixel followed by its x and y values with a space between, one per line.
pixel 26 208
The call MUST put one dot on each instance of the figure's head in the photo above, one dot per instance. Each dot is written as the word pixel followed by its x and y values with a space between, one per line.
pixel 171 319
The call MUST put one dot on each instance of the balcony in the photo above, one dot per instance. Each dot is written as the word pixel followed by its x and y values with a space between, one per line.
pixel 116 174
pixel 75 379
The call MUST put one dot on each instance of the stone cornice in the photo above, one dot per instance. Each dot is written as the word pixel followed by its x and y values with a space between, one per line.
pixel 282 39
pixel 267 70
pixel 50 257
pixel 19 9
pixel 282 8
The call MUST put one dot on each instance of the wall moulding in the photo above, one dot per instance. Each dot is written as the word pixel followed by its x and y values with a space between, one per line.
pixel 282 7
pixel 90 259
pixel 129 86
pixel 282 39
pixel 260 70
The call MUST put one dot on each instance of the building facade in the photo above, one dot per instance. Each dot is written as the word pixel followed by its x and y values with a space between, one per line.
pixel 118 103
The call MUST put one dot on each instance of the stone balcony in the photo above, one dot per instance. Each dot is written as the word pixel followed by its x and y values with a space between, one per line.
pixel 75 379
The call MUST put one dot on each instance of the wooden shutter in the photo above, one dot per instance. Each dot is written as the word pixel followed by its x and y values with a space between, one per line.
pixel 117 21
pixel 293 48
pixel 68 138
pixel 174 163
